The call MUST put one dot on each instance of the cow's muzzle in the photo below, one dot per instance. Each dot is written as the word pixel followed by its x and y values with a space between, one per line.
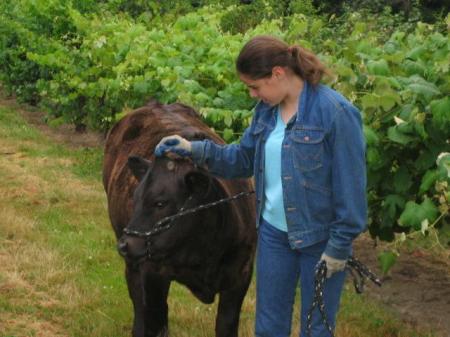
pixel 132 247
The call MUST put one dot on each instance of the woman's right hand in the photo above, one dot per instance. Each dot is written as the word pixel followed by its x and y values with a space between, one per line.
pixel 174 144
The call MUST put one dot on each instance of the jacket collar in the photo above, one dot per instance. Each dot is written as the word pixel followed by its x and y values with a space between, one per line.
pixel 301 109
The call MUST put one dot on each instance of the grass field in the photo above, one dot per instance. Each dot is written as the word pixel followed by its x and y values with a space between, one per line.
pixel 60 274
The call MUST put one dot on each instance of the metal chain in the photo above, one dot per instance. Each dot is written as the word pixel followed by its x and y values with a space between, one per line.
pixel 167 222
pixel 353 265
pixel 319 281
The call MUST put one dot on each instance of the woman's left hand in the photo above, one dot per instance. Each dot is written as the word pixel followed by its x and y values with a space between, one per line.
pixel 175 144
pixel 333 265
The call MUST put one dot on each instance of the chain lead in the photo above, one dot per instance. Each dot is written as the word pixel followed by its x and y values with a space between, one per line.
pixel 319 281
pixel 353 266
pixel 167 222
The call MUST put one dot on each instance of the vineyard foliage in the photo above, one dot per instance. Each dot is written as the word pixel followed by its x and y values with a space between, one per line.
pixel 90 69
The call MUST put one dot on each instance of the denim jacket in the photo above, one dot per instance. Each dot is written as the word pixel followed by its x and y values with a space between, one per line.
pixel 323 168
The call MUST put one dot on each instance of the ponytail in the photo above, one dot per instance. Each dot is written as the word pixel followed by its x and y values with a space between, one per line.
pixel 307 65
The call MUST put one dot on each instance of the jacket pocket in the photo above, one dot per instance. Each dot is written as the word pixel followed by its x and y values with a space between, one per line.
pixel 319 203
pixel 307 148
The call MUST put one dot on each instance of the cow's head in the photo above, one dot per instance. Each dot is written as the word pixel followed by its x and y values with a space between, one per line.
pixel 165 186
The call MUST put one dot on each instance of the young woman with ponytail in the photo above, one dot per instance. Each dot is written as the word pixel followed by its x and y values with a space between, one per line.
pixel 306 151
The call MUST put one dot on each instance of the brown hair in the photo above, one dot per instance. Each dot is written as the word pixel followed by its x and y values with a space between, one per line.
pixel 262 53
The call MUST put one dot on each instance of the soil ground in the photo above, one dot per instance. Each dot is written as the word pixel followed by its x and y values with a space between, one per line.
pixel 417 288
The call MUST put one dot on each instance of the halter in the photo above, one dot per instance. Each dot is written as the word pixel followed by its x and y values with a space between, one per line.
pixel 167 222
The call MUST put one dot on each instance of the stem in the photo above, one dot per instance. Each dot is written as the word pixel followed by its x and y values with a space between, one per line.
pixel 397 242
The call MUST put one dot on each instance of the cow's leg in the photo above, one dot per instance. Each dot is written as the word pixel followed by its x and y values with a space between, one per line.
pixel 148 292
pixel 230 303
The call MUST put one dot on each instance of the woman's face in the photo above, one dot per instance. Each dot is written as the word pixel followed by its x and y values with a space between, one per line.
pixel 267 89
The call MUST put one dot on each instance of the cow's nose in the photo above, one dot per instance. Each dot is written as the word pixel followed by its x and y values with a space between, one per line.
pixel 131 247
pixel 122 247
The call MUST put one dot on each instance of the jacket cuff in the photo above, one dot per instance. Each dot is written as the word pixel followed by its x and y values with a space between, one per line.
pixel 338 253
pixel 198 151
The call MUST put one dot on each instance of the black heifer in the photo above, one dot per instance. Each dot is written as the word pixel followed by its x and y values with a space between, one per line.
pixel 210 251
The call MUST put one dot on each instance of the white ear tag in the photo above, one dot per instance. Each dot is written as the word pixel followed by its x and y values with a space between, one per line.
pixel 170 165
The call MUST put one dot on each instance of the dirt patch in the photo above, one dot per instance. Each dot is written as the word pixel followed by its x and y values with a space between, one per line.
pixel 417 286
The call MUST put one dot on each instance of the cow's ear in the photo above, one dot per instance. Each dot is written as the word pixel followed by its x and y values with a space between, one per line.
pixel 138 166
pixel 198 183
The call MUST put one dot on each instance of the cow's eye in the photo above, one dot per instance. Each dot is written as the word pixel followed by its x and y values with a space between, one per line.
pixel 160 204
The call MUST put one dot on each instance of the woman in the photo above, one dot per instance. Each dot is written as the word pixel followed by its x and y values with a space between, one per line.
pixel 305 149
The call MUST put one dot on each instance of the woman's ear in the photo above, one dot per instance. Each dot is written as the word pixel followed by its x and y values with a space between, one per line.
pixel 278 72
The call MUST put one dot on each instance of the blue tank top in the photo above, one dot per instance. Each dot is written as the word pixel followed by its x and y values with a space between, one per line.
pixel 273 209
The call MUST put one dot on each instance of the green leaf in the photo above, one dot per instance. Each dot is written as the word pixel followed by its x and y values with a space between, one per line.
pixel 392 203
pixel 407 111
pixel 402 180
pixel 371 136
pixel 379 67
pixel 298 27
pixel 397 136
pixel 425 160
pixel 140 87
pixel 443 163
pixel 387 260
pixel 440 110
pixel 389 99
pixel 420 86
pixel 414 214
pixel 412 68
pixel 420 130
pixel 344 71
pixel 416 53
pixel 370 101
pixel 228 135
pixel 374 159
pixel 228 119
pixel 428 180
pixel 202 99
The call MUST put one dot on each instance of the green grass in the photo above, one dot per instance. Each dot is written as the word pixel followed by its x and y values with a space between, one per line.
pixel 60 274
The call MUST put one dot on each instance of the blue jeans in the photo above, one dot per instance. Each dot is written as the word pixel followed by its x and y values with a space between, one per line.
pixel 278 270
